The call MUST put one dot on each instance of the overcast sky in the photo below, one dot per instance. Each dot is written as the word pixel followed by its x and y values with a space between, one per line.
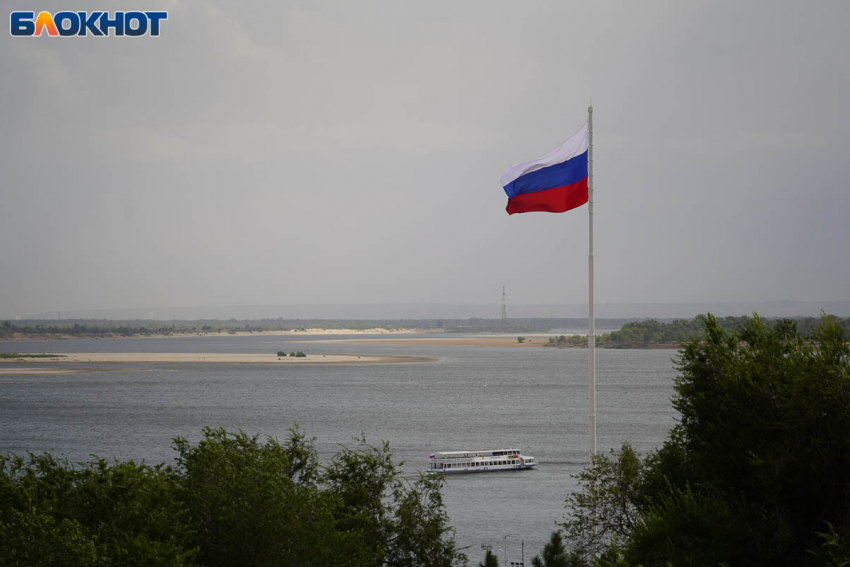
pixel 350 152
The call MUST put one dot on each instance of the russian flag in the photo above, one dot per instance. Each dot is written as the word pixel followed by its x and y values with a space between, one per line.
pixel 554 183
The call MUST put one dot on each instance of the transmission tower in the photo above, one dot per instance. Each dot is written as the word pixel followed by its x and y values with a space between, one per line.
pixel 504 308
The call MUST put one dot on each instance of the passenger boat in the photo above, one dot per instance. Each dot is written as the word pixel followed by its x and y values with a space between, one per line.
pixel 452 462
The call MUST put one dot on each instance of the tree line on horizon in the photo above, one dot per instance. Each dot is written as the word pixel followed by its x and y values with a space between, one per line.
pixel 685 330
pixel 631 330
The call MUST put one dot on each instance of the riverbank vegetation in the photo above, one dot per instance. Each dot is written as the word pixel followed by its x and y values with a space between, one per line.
pixel 298 354
pixel 230 500
pixel 22 355
pixel 685 330
pixel 756 472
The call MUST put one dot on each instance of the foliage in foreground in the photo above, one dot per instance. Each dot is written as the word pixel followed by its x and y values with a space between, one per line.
pixel 555 554
pixel 231 500
pixel 757 471
pixel 490 560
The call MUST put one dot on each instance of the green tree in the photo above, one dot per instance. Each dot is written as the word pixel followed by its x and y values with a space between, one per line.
pixel 36 537
pixel 396 522
pixel 101 513
pixel 764 437
pixel 609 501
pixel 490 560
pixel 421 533
pixel 255 503
pixel 757 471
pixel 555 554
pixel 231 500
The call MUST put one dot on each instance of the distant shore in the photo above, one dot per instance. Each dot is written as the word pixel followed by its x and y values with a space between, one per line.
pixel 305 332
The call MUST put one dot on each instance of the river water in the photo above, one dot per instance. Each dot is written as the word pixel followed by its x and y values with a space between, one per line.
pixel 472 398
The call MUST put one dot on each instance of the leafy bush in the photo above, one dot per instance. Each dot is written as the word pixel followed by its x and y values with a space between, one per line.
pixel 231 500
pixel 754 473
pixel 572 340
pixel 100 513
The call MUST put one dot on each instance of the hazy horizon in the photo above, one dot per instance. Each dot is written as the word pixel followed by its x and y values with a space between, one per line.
pixel 410 311
pixel 307 153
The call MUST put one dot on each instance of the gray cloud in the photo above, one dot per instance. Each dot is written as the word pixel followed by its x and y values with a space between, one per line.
pixel 342 152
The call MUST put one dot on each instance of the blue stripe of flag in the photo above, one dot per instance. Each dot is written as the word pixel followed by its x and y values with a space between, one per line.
pixel 564 173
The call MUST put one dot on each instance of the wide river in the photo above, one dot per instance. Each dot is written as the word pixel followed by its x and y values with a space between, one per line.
pixel 472 398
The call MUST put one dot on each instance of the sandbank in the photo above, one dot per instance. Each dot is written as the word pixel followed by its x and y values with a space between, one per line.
pixel 220 358
pixel 536 340
pixel 511 342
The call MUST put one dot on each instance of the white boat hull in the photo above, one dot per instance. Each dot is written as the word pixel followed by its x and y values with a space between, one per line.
pixel 497 460
pixel 497 468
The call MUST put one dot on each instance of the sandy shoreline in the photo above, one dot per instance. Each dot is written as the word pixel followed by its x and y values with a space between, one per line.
pixel 531 341
pixel 477 341
pixel 208 358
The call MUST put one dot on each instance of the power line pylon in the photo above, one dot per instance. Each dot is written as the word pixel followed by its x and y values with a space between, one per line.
pixel 504 308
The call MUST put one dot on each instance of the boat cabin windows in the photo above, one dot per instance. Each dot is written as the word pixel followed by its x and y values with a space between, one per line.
pixel 486 460
pixel 503 453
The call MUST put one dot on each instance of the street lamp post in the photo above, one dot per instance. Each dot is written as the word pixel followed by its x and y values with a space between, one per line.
pixel 521 562
pixel 506 548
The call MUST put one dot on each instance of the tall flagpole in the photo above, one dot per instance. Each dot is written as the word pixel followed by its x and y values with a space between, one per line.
pixel 591 337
